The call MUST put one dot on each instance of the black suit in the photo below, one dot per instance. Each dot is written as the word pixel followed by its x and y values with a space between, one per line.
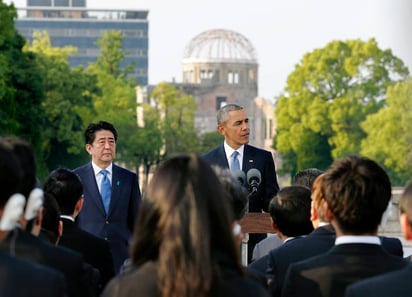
pixel 116 226
pixel 19 278
pixel 144 282
pixel 318 242
pixel 261 160
pixel 397 283
pixel 95 250
pixel 329 274
pixel 26 246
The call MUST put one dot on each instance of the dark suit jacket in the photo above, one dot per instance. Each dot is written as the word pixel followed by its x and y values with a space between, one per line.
pixel 117 225
pixel 95 250
pixel 26 246
pixel 318 242
pixel 252 158
pixel 19 278
pixel 329 274
pixel 143 282
pixel 397 283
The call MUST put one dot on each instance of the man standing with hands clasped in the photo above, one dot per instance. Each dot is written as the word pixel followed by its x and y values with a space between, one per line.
pixel 236 154
pixel 111 193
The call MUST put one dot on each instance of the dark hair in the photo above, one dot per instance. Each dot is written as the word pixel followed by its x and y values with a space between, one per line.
pixel 306 177
pixel 24 153
pixel 236 192
pixel 357 191
pixel 10 174
pixel 66 188
pixel 290 211
pixel 51 219
pixel 184 223
pixel 90 133
pixel 222 113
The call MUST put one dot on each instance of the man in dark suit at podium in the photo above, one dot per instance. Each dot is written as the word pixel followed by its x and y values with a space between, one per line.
pixel 236 154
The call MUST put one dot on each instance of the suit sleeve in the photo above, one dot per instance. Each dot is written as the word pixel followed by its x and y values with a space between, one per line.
pixel 270 181
pixel 134 202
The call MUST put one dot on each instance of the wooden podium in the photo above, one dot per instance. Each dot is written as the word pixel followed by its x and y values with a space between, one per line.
pixel 253 222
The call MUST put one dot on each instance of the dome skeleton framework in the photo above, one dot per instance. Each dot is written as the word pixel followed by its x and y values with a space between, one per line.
pixel 220 45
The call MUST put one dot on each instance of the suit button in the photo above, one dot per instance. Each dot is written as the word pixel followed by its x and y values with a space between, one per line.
pixel 107 222
pixel 105 238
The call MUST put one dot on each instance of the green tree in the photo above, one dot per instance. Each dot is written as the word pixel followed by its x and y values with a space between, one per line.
pixel 21 91
pixel 209 140
pixel 177 119
pixel 327 97
pixel 67 103
pixel 389 131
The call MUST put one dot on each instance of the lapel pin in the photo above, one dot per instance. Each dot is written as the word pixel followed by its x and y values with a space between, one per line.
pixel 250 161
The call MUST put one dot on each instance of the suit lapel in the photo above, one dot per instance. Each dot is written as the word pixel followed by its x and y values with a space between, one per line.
pixel 95 196
pixel 221 159
pixel 116 178
pixel 248 159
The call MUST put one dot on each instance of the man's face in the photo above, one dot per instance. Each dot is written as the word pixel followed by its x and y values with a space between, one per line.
pixel 103 148
pixel 235 129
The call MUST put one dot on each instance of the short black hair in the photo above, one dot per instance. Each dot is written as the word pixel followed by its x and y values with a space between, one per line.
pixel 10 174
pixel 290 211
pixel 66 187
pixel 306 177
pixel 51 218
pixel 90 133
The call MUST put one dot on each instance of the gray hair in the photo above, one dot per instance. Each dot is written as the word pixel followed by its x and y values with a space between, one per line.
pixel 222 113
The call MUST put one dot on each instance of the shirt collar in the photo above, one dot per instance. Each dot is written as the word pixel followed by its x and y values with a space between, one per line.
pixel 229 150
pixel 67 217
pixel 97 169
pixel 357 239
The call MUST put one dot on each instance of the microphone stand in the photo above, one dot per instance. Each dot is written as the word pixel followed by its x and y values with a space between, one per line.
pixel 245 239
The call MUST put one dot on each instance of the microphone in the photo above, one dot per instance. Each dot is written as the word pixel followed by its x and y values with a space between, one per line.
pixel 239 175
pixel 253 178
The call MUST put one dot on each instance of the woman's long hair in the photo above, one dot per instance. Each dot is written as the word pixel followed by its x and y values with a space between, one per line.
pixel 185 224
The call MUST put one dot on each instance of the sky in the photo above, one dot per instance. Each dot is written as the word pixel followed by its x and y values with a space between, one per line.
pixel 281 31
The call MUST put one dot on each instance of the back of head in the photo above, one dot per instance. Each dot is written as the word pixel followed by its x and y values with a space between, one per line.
pixel 236 192
pixel 222 113
pixel 290 211
pixel 66 188
pixel 405 202
pixel 10 174
pixel 90 133
pixel 182 222
pixel 318 199
pixel 306 177
pixel 357 191
pixel 51 219
pixel 25 155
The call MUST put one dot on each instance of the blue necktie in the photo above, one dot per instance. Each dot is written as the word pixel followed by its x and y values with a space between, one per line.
pixel 106 190
pixel 234 161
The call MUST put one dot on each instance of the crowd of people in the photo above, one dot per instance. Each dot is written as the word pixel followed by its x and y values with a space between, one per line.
pixel 89 232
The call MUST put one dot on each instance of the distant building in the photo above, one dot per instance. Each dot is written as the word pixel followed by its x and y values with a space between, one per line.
pixel 221 67
pixel 70 23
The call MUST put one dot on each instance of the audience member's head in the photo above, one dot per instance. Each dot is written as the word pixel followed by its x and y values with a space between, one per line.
pixel 185 223
pixel 51 226
pixel 290 212
pixel 237 193
pixel 405 207
pixel 306 177
pixel 67 189
pixel 357 191
pixel 24 153
pixel 10 174
pixel 317 210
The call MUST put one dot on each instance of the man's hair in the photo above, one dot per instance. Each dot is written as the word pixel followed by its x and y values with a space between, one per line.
pixel 25 155
pixel 405 202
pixel 51 219
pixel 90 133
pixel 237 193
pixel 66 188
pixel 290 211
pixel 318 199
pixel 10 174
pixel 357 191
pixel 306 177
pixel 222 113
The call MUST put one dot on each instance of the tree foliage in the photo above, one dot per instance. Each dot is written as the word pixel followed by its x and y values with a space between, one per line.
pixel 327 97
pixel 389 132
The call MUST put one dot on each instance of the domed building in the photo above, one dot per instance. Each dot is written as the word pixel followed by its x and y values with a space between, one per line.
pixel 221 67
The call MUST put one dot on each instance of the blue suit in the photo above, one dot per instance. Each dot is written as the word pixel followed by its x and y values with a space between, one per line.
pixel 117 225
pixel 261 160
